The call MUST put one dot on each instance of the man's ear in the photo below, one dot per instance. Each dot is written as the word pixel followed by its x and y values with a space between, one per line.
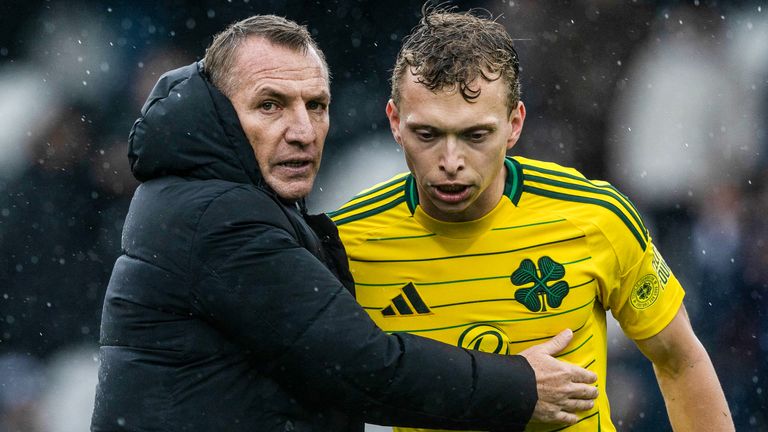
pixel 394 120
pixel 516 120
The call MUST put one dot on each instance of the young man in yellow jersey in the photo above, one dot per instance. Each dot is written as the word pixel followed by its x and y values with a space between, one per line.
pixel 498 253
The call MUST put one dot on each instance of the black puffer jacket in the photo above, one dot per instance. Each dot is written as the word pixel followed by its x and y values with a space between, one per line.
pixel 226 311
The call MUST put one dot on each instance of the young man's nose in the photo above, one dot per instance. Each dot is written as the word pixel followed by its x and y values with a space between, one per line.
pixel 452 157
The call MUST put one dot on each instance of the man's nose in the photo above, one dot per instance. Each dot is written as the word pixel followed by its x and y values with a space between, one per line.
pixel 300 130
pixel 452 157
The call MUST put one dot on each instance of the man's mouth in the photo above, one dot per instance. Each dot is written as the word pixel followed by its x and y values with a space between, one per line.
pixel 295 163
pixel 294 167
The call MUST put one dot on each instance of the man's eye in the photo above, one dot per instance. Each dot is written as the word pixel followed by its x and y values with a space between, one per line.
pixel 316 106
pixel 268 106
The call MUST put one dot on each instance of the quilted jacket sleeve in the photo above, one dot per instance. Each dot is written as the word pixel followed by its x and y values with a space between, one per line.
pixel 260 287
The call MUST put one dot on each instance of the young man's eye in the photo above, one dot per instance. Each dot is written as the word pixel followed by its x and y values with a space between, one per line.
pixel 477 136
pixel 425 135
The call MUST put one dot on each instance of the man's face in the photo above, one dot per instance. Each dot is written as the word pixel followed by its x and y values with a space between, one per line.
pixel 281 97
pixel 455 149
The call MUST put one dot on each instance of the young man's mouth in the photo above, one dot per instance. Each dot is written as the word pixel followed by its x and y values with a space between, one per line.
pixel 452 193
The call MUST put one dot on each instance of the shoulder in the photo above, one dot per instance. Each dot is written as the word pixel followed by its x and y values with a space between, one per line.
pixel 169 214
pixel 176 200
pixel 243 220
pixel 231 203
pixel 551 187
pixel 199 208
pixel 373 202
pixel 380 205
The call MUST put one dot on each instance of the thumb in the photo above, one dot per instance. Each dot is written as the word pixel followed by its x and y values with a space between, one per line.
pixel 557 343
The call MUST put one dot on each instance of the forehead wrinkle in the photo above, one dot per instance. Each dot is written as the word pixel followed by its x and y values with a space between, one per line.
pixel 282 74
pixel 275 82
pixel 306 92
pixel 256 61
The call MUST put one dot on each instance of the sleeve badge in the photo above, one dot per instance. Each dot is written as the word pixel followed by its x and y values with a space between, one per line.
pixel 645 292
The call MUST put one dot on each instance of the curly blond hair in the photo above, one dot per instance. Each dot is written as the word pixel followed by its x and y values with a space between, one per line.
pixel 450 50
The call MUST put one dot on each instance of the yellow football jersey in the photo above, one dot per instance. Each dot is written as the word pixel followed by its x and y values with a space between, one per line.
pixel 557 252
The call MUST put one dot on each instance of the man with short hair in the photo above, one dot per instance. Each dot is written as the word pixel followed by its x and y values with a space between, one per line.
pixel 230 308
pixel 497 253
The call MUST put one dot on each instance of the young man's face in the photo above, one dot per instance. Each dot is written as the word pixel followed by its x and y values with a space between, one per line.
pixel 455 149
pixel 281 97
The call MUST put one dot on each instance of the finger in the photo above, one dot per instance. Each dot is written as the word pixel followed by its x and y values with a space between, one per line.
pixel 584 391
pixel 576 405
pixel 565 417
pixel 557 343
pixel 581 375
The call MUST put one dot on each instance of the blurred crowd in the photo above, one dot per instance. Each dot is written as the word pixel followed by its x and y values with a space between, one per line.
pixel 666 100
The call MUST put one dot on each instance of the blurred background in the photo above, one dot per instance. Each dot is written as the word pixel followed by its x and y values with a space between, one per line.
pixel 667 100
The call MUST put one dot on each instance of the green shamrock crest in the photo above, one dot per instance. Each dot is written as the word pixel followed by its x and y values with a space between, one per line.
pixel 549 271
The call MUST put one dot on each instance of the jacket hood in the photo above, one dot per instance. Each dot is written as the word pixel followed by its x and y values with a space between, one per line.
pixel 189 128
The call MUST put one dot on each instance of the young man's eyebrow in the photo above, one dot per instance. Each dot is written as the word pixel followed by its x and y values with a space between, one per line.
pixel 480 126
pixel 420 126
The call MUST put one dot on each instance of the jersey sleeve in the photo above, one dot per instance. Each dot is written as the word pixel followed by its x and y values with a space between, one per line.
pixel 647 296
pixel 636 284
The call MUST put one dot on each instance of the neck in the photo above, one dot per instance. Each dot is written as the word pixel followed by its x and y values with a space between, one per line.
pixel 483 205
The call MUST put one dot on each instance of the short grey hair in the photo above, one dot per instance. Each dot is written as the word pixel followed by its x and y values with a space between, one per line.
pixel 220 54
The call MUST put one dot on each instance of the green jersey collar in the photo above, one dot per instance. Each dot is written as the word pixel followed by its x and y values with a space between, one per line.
pixel 513 187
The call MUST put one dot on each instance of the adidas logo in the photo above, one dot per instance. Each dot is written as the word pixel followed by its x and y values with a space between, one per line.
pixel 408 302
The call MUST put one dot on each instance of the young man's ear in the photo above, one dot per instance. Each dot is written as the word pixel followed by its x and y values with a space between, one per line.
pixel 394 120
pixel 516 120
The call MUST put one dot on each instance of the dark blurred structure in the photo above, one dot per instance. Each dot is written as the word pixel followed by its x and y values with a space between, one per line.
pixel 54 273
pixel 74 76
